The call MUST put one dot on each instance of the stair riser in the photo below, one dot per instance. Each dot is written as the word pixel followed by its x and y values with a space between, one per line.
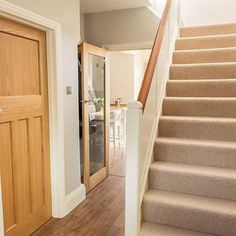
pixel 211 56
pixel 201 107
pixel 149 229
pixel 205 43
pixel 226 88
pixel 193 183
pixel 224 131
pixel 203 72
pixel 208 30
pixel 224 157
pixel 189 218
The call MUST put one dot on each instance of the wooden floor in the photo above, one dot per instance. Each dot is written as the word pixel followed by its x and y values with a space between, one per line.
pixel 117 161
pixel 102 213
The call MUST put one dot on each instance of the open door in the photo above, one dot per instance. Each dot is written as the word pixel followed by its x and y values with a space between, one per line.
pixel 94 104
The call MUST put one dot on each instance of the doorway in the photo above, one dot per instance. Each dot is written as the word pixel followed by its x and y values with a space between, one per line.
pixel 24 128
pixel 94 119
pixel 127 70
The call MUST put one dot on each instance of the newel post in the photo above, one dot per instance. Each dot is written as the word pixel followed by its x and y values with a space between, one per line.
pixel 132 192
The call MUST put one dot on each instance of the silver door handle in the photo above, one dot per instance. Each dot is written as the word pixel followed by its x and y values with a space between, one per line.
pixel 1 110
pixel 86 101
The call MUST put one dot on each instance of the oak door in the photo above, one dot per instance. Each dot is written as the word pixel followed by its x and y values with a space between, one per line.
pixel 95 119
pixel 24 131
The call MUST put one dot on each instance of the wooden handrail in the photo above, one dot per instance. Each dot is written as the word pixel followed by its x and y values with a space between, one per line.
pixel 147 81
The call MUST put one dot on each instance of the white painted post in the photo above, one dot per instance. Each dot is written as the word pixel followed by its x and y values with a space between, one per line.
pixel 132 193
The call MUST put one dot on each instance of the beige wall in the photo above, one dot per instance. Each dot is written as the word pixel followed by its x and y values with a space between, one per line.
pixel 141 58
pixel 120 27
pixel 126 74
pixel 65 12
pixel 121 77
pixel 203 12
pixel 82 26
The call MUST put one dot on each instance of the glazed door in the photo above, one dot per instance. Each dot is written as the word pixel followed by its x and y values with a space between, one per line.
pixel 24 135
pixel 95 107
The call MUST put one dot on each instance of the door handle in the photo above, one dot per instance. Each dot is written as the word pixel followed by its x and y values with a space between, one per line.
pixel 1 110
pixel 86 101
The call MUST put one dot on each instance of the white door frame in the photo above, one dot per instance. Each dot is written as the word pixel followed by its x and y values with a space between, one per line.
pixel 55 94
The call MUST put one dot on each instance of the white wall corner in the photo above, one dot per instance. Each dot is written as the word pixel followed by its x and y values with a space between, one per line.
pixel 73 199
pixel 155 12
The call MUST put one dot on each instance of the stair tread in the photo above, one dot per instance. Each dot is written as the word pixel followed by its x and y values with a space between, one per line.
pixel 194 169
pixel 214 29
pixel 202 81
pixel 152 229
pixel 205 64
pixel 206 55
pixel 194 202
pixel 207 26
pixel 207 37
pixel 198 127
pixel 199 118
pixel 212 143
pixel 206 42
pixel 216 99
pixel 187 51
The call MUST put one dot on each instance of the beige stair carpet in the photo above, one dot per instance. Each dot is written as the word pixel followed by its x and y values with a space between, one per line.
pixel 192 181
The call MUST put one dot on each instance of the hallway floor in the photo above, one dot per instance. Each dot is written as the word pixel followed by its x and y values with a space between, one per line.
pixel 101 214
pixel 118 161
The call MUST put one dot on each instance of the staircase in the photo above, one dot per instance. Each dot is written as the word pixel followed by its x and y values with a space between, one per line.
pixel 192 182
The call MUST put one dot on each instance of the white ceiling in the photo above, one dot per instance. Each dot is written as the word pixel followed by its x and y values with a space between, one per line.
pixel 90 6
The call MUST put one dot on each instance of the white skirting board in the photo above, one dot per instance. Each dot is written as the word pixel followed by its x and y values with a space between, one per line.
pixel 74 199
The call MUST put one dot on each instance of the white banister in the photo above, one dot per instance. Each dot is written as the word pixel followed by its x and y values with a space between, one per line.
pixel 142 126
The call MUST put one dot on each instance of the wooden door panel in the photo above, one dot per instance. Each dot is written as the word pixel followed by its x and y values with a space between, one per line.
pixel 24 132
pixel 7 175
pixel 21 167
pixel 19 78
pixel 15 108
pixel 37 163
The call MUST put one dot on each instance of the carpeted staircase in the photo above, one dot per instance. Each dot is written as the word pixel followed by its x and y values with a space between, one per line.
pixel 192 183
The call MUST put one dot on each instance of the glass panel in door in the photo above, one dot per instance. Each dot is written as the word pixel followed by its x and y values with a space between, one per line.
pixel 96 112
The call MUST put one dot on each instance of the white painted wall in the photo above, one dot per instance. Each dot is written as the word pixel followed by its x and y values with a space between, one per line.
pixel 65 12
pixel 121 77
pixel 126 73
pixel 130 26
pixel 141 58
pixel 158 6
pixel 91 6
pixel 82 26
pixel 204 12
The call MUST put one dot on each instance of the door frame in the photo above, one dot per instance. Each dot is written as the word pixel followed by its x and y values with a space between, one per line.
pixel 92 181
pixel 55 100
